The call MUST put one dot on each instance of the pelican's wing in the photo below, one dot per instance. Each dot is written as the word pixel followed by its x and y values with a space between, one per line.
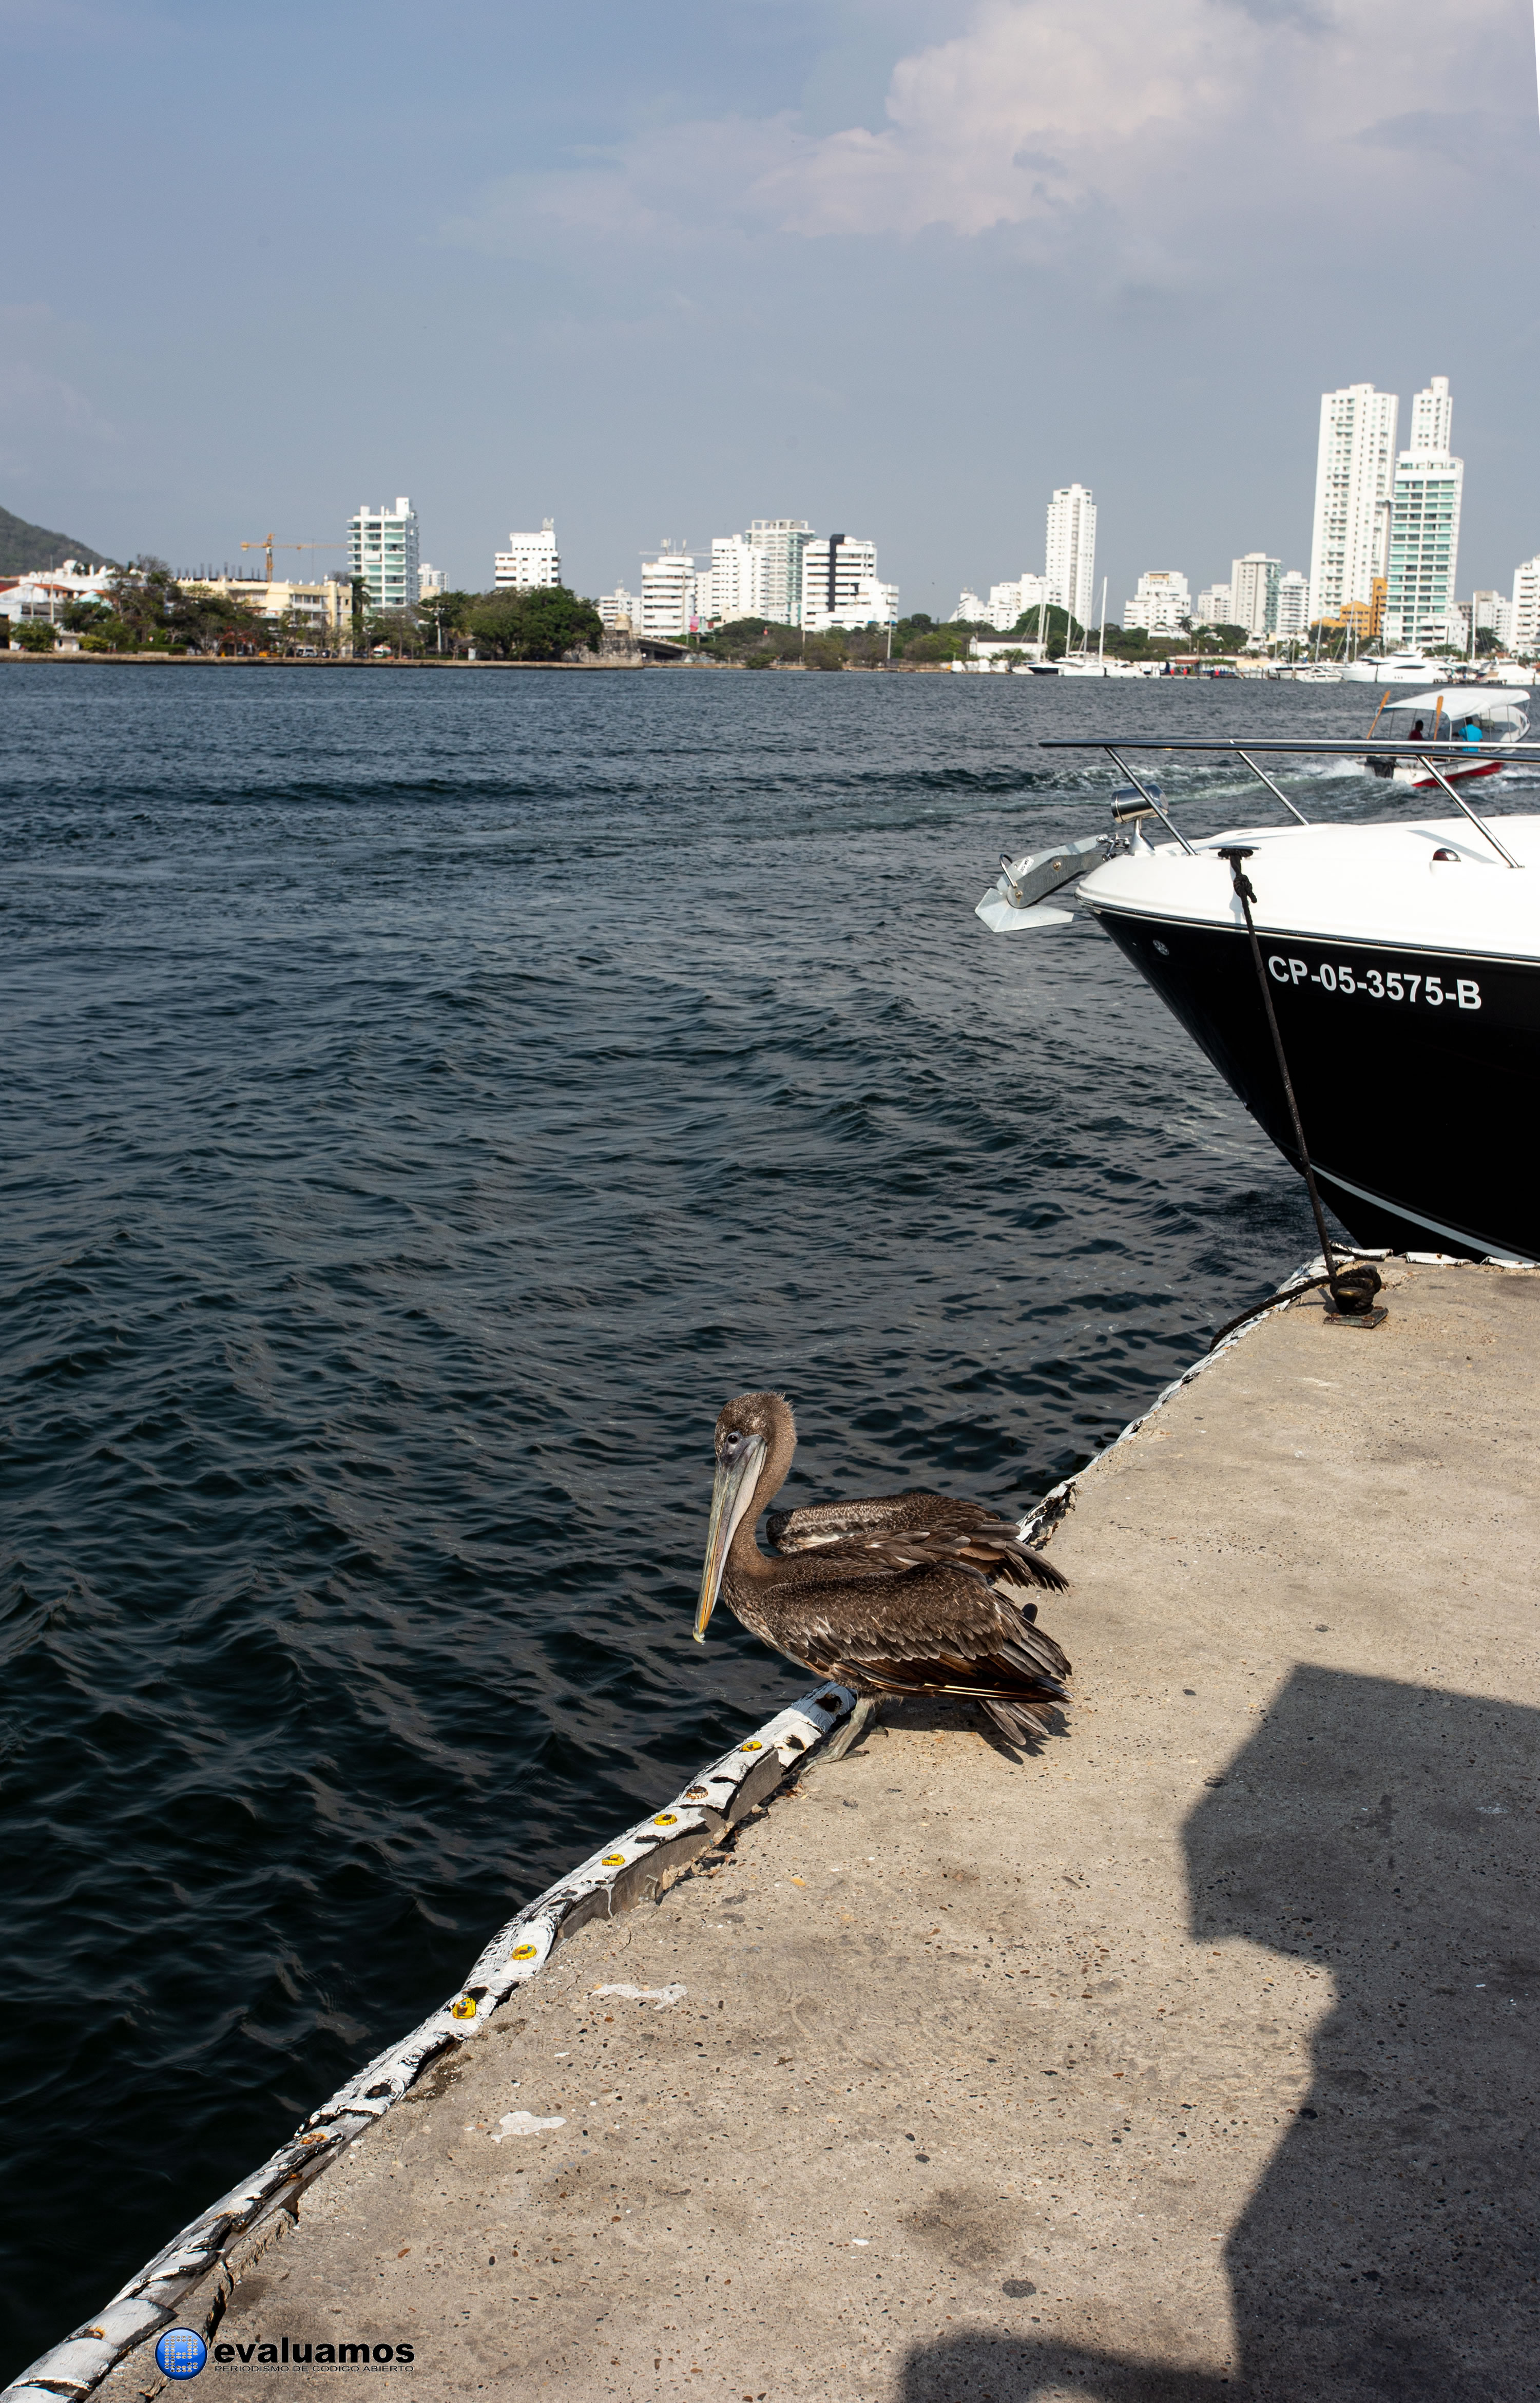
pixel 960 1533
pixel 817 1523
pixel 930 1634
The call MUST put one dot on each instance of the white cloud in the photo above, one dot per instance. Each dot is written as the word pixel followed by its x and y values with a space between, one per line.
pixel 1140 119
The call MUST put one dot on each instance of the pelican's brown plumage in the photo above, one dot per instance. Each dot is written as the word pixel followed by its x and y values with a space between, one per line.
pixel 899 1593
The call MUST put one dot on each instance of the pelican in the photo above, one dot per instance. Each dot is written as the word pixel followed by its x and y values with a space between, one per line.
pixel 897 1593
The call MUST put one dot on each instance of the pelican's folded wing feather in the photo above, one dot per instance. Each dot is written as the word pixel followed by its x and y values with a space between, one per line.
pixel 960 1533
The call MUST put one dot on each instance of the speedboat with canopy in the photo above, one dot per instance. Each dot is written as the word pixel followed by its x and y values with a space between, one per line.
pixel 1481 718
pixel 1389 972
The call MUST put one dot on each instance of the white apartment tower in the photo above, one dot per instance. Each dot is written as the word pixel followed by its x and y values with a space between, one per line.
pixel 1524 622
pixel 1072 551
pixel 530 563
pixel 1433 417
pixel 783 540
pixel 1424 527
pixel 1011 602
pixel 738 581
pixel 1160 603
pixel 1253 592
pixel 382 548
pixel 840 587
pixel 669 597
pixel 1214 605
pixel 1354 467
pixel 1292 620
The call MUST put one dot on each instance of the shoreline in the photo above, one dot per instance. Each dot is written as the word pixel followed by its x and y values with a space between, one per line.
pixel 1220 1528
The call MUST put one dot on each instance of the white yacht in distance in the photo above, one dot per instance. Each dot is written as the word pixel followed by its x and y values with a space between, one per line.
pixel 1396 667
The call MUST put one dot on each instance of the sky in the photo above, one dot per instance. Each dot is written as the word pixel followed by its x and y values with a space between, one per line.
pixel 654 271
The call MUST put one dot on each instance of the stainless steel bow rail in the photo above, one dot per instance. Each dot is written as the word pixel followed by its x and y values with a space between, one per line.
pixel 630 1868
pixel 1425 755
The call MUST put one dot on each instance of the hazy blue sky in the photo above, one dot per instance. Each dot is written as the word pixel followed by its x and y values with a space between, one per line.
pixel 657 269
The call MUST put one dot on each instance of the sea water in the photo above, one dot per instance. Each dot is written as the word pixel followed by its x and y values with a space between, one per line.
pixel 430 1096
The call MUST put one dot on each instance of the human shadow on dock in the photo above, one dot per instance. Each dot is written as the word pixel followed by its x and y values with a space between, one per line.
pixel 1386 1833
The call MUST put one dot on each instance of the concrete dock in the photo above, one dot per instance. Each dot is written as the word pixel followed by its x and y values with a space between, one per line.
pixel 1193 2056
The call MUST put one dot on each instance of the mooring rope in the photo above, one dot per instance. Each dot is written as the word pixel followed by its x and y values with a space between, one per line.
pixel 1353 1289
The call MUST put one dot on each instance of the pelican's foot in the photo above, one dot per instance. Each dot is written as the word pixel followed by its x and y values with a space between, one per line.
pixel 856 1727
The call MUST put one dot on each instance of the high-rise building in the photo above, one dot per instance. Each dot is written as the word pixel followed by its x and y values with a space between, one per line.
pixel 1291 619
pixel 737 583
pixel 1354 467
pixel 1072 550
pixel 670 603
pixel 530 563
pixel 1214 605
pixel 1160 604
pixel 1432 417
pixel 1253 592
pixel 1424 528
pixel 430 580
pixel 382 544
pixel 783 540
pixel 840 587
pixel 1494 616
pixel 970 610
pixel 1524 623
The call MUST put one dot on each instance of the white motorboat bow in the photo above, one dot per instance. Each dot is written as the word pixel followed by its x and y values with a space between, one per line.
pixel 1403 963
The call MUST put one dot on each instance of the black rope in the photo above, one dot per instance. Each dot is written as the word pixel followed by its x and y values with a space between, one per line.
pixel 1352 1291
pixel 1364 1281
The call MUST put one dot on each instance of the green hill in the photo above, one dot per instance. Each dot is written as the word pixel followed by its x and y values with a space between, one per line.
pixel 23 545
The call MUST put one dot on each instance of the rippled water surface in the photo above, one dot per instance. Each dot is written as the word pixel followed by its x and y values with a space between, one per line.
pixel 429 1098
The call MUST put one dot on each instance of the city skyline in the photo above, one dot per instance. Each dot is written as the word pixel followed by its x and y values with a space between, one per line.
pixel 600 246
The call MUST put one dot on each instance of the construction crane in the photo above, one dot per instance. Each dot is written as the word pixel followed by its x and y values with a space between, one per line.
pixel 269 543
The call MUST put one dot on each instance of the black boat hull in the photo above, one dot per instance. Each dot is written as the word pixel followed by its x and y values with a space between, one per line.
pixel 1413 1070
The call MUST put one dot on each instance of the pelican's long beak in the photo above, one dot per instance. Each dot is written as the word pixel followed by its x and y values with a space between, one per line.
pixel 733 1497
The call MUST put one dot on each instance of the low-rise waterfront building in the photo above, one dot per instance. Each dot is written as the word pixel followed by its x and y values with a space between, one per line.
pixel 531 561
pixel 1161 604
pixel 46 594
pixel 619 611
pixel 327 606
pixel 1016 598
pixel 383 551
